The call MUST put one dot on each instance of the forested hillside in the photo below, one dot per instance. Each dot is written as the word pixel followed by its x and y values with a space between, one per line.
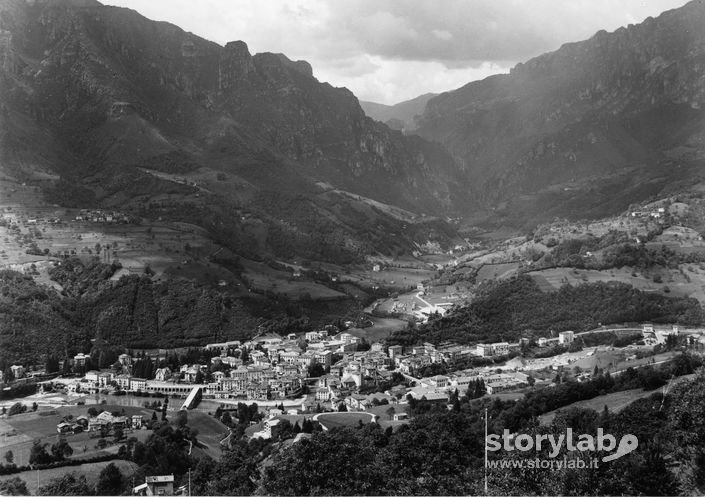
pixel 508 309
pixel 134 311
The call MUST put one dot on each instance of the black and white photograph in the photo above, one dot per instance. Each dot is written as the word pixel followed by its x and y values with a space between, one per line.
pixel 359 247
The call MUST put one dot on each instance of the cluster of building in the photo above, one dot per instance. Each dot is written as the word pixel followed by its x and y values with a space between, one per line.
pixel 564 338
pixel 101 422
pixel 656 213
pixel 440 387
pixel 449 353
pixel 101 216
pixel 276 368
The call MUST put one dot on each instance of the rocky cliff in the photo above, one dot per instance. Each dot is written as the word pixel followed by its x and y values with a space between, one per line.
pixel 622 112
pixel 113 88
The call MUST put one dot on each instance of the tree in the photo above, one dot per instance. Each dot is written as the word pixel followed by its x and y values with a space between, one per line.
pixel 316 370
pixel 9 457
pixel 14 486
pixel 69 484
pixel 226 418
pixel 61 450
pixel 16 408
pixel 390 412
pixel 34 406
pixel 118 433
pixel 110 481
pixel 52 364
pixel 38 454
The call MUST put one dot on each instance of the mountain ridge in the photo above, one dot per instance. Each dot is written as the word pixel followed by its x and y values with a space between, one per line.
pixel 576 117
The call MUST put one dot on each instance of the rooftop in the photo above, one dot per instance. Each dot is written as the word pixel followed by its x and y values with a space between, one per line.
pixel 159 479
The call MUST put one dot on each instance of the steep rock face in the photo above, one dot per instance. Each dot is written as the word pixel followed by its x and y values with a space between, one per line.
pixel 574 119
pixel 77 68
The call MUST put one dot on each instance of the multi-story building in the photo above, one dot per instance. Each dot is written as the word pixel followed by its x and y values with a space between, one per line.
pixel 138 384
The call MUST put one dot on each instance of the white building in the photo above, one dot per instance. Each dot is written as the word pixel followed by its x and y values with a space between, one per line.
pixel 566 337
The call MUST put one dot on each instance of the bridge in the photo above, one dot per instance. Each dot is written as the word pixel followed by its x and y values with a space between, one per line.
pixel 192 398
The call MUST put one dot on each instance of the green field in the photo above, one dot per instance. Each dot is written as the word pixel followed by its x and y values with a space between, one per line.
pixel 41 425
pixel 497 271
pixel 264 277
pixel 332 420
pixel 381 329
pixel 690 282
pixel 210 432
pixel 615 402
pixel 90 470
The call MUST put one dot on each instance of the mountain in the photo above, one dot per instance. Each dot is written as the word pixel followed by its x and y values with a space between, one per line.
pixel 100 99
pixel 399 116
pixel 583 131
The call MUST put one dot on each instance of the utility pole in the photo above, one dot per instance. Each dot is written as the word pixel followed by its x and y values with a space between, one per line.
pixel 189 482
pixel 485 451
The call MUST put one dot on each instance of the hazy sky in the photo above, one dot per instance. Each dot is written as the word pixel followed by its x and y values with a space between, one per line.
pixel 388 51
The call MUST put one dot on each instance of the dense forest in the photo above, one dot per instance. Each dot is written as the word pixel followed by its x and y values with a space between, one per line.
pixel 33 319
pixel 136 311
pixel 508 309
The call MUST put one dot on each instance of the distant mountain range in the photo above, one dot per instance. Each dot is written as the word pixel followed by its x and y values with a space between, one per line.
pixel 401 116
pixel 587 129
pixel 102 97
pixel 98 94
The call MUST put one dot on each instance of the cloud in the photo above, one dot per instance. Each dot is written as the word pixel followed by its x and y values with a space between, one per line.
pixel 385 49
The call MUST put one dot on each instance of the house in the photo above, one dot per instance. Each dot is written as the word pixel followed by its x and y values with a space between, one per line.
pixel 138 384
pixel 542 342
pixel 64 428
pixel 401 416
pixel 162 374
pixel 159 485
pixel 83 421
pixel 376 268
pixel 324 394
pixel 191 373
pixel 104 379
pixel 500 348
pixel 484 350
pixel 17 371
pixel 438 381
pixel 357 402
pixel 566 337
pixel 79 360
pixel 125 360
pixel 123 381
pixel 395 351
pixel 323 358
pixel 136 422
pixel 223 347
